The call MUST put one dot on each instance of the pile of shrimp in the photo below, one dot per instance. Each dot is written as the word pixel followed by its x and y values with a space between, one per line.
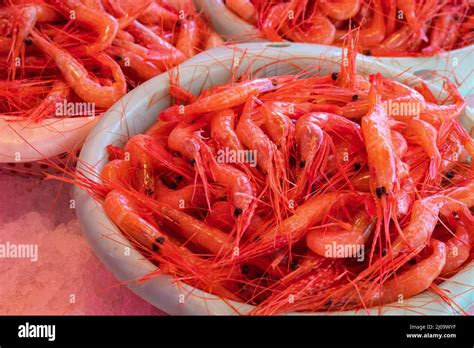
pixel 297 193
pixel 387 28
pixel 89 51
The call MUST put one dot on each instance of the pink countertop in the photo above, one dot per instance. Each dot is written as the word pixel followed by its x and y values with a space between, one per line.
pixel 67 278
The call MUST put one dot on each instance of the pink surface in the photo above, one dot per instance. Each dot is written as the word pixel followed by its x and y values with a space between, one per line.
pixel 67 278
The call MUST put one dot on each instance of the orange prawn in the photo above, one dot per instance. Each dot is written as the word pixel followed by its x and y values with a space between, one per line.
pixel 78 78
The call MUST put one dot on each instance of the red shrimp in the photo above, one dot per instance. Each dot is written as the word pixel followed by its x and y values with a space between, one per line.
pixel 241 190
pixel 223 130
pixel 232 96
pixel 374 32
pixel 340 9
pixel 426 136
pixel 457 249
pixel 410 282
pixel 186 139
pixel 77 76
pixel 244 9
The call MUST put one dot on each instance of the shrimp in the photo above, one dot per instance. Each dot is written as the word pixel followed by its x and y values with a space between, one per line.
pixel 146 155
pixel 223 130
pixel 190 196
pixel 94 17
pixel 116 173
pixel 268 157
pixel 77 76
pixel 340 9
pixel 321 31
pixel 144 69
pixel 353 234
pixel 373 33
pixel 426 136
pixel 125 212
pixel 156 14
pixel 194 230
pixel 186 140
pixel 241 191
pixel 412 281
pixel 188 38
pixel 275 15
pixel 232 96
pixel 58 93
pixel 280 129
pixel 244 9
pixel 378 138
pixel 457 249
pixel 293 228
pixel 408 7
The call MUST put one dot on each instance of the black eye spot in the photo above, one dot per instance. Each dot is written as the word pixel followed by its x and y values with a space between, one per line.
pixel 173 186
pixel 179 178
pixel 160 240
pixel 149 192
pixel 294 265
pixel 357 166
pixel 192 162
pixel 292 161
pixel 237 212
pixel 367 52
pixel 384 252
pixel 334 76
pixel 118 58
pixel 450 174
pixel 28 41
pixel 155 247
pixel 355 97
pixel 380 191
pixel 302 163
pixel 245 269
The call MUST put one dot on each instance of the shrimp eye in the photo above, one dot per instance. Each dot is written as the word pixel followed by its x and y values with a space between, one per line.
pixel 357 166
pixel 179 178
pixel 148 192
pixel 160 240
pixel 192 162
pixel 237 211
pixel 245 269
pixel 302 163
pixel 450 174
pixel 294 265
pixel 173 186
pixel 380 191
pixel 367 52
pixel 334 76
pixel 155 247
pixel 118 58
pixel 28 41
pixel 292 161
pixel 355 97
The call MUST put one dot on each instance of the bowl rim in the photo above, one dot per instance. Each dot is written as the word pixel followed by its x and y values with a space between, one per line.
pixel 161 290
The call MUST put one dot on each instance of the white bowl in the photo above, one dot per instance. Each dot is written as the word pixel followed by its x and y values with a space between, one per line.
pixel 24 141
pixel 138 110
